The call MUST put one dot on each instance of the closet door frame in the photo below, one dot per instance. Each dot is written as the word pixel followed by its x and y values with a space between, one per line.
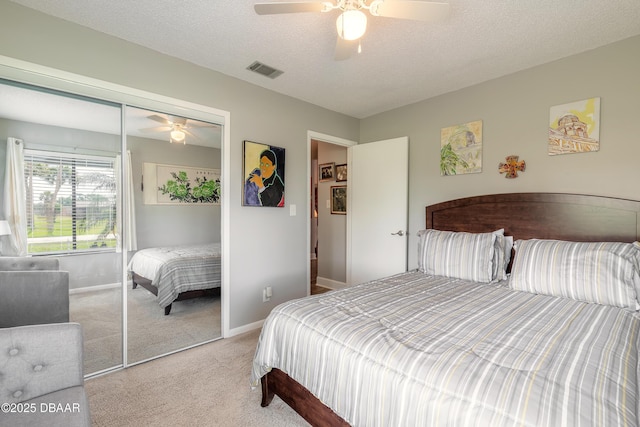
pixel 38 75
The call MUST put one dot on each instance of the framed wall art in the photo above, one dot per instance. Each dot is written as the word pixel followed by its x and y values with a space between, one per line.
pixel 263 171
pixel 326 172
pixel 461 149
pixel 341 173
pixel 339 199
pixel 574 127
pixel 173 184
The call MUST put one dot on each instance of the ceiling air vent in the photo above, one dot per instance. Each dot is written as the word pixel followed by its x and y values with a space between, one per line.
pixel 265 70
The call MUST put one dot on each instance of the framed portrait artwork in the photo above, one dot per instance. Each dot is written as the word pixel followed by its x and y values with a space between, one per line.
pixel 326 172
pixel 339 199
pixel 341 173
pixel 263 172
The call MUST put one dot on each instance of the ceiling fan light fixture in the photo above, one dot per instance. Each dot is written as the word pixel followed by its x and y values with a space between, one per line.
pixel 351 24
pixel 178 136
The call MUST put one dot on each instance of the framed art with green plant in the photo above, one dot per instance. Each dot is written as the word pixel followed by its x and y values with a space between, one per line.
pixel 171 184
pixel 461 149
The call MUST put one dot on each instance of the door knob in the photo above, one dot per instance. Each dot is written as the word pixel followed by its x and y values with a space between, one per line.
pixel 399 233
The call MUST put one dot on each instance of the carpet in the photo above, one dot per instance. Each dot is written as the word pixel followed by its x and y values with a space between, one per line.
pixel 206 385
pixel 150 332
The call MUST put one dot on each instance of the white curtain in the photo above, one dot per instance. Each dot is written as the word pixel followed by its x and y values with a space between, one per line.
pixel 15 200
pixel 128 216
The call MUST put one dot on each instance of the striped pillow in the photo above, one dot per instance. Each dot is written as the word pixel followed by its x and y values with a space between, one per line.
pixel 605 273
pixel 467 256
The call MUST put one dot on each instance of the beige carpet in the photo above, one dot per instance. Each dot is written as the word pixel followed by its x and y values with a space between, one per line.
pixel 203 386
pixel 150 332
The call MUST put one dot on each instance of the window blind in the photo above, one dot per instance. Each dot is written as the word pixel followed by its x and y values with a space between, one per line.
pixel 71 202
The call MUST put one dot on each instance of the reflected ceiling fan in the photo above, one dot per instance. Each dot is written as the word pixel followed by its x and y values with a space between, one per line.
pixel 352 21
pixel 178 127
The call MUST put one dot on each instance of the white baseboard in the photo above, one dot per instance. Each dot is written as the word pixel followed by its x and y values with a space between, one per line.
pixel 331 284
pixel 245 328
pixel 93 288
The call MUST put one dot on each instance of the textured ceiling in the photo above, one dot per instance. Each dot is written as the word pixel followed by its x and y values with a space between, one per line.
pixel 402 61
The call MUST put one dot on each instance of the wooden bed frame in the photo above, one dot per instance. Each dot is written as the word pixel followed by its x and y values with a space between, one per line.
pixel 572 217
pixel 136 279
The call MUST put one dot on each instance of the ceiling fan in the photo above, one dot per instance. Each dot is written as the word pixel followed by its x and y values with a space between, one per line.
pixel 178 127
pixel 352 21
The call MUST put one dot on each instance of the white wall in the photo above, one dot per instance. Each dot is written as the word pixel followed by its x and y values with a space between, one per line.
pixel 268 247
pixel 515 114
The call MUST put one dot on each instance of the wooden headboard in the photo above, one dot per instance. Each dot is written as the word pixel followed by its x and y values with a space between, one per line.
pixel 574 217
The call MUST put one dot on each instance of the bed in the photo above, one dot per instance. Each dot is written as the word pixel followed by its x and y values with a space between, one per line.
pixel 175 273
pixel 450 344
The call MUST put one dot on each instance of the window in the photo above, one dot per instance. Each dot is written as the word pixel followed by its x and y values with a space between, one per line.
pixel 71 202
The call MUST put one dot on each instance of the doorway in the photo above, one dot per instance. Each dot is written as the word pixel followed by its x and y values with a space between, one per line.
pixel 328 177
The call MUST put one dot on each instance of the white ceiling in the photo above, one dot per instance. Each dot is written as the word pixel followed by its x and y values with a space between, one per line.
pixel 402 61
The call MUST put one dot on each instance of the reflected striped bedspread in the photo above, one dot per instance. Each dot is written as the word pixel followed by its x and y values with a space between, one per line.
pixel 417 350
pixel 176 269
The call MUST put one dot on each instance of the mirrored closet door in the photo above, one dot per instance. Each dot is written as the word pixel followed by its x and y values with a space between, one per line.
pixel 174 264
pixel 67 154
pixel 98 201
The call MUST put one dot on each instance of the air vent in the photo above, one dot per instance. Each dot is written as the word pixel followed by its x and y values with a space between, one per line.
pixel 265 70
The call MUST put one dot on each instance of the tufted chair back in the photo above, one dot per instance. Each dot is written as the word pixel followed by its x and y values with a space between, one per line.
pixel 28 263
pixel 41 369
pixel 32 291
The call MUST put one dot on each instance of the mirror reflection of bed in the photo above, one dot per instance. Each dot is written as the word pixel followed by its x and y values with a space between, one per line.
pixel 174 292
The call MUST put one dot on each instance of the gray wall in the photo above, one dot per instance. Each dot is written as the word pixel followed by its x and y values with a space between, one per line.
pixel 268 247
pixel 515 114
pixel 162 225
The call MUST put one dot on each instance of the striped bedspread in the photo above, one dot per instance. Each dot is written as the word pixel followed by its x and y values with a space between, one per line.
pixel 418 350
pixel 176 269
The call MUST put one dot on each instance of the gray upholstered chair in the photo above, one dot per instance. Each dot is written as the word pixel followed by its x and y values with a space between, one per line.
pixel 32 291
pixel 41 376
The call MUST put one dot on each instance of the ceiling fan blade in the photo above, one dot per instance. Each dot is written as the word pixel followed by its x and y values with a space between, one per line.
pixel 344 49
pixel 157 129
pixel 159 119
pixel 191 134
pixel 288 7
pixel 428 11
pixel 193 124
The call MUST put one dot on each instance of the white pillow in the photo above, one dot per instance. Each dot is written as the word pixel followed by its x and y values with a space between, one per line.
pixel 605 273
pixel 467 256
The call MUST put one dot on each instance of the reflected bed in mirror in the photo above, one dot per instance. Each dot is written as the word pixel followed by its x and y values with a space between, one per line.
pixel 175 273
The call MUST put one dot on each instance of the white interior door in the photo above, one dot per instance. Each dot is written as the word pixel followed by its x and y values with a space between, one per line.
pixel 377 204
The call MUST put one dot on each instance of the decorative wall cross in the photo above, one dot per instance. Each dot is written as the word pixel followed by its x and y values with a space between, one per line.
pixel 512 166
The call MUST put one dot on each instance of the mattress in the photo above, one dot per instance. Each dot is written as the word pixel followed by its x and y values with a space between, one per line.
pixel 419 350
pixel 176 269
